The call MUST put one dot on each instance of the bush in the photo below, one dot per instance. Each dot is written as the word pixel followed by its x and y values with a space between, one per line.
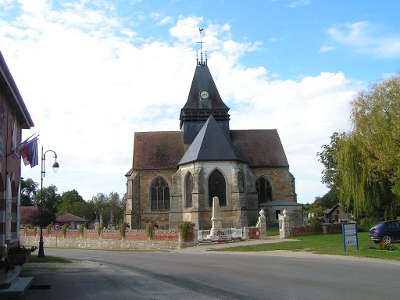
pixel 81 229
pixel 149 230
pixel 100 228
pixel 122 229
pixel 49 228
pixel 365 224
pixel 35 230
pixel 64 229
pixel 186 230
pixel 25 229
pixel 315 223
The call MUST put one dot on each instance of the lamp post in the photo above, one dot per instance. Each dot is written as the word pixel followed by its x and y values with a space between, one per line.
pixel 42 175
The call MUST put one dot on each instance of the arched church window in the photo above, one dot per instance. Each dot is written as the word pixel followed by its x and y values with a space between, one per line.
pixel 240 181
pixel 188 189
pixel 217 187
pixel 159 194
pixel 264 190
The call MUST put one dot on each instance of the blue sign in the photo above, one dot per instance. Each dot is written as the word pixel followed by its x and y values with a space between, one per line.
pixel 350 237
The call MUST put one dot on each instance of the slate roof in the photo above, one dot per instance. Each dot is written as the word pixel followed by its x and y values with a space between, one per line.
pixel 197 110
pixel 203 81
pixel 7 84
pixel 210 144
pixel 164 149
pixel 67 217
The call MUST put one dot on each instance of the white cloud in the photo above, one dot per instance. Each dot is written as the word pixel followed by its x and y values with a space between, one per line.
pixel 325 49
pixel 160 19
pixel 187 29
pixel 90 82
pixel 165 20
pixel 299 3
pixel 364 37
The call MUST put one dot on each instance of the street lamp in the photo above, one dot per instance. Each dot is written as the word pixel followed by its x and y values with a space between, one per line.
pixel 42 175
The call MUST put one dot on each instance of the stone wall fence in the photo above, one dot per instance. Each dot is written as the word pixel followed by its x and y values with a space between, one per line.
pixel 107 240
pixel 325 228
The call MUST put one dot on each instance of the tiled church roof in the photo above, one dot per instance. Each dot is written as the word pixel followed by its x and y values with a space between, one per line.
pixel 260 148
pixel 157 150
pixel 164 149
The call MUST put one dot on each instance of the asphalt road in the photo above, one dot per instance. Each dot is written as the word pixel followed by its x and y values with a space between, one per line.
pixel 166 275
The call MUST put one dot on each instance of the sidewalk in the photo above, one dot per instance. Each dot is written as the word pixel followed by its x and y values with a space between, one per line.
pixel 203 248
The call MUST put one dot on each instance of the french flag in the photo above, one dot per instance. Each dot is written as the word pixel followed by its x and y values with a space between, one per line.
pixel 29 152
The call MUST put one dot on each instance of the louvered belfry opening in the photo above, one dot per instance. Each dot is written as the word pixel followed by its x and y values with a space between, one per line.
pixel 217 187
pixel 159 193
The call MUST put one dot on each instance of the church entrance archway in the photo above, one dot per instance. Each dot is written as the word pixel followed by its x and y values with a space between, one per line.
pixel 217 187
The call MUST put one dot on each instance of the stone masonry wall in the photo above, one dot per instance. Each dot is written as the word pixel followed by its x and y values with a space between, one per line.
pixel 139 198
pixel 281 183
pixel 109 240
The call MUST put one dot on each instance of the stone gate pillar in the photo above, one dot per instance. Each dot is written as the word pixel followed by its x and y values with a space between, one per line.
pixel 284 229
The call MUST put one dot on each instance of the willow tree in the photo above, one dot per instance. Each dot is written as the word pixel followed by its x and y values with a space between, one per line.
pixel 367 171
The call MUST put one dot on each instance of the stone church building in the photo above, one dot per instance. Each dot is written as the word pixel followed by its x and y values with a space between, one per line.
pixel 175 174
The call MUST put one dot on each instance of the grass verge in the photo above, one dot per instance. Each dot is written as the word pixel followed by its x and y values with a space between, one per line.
pixel 48 259
pixel 272 232
pixel 325 244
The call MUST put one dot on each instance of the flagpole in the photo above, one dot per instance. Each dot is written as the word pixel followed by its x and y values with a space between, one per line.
pixel 41 248
pixel 42 174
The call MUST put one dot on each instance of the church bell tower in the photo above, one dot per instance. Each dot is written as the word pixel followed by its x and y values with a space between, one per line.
pixel 203 100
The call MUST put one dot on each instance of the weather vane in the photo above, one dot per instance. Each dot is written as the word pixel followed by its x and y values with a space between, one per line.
pixel 202 61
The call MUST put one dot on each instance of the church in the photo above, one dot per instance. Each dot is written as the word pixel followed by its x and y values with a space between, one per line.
pixel 175 174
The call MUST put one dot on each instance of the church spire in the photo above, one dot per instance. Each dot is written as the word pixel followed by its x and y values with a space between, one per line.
pixel 203 56
pixel 203 100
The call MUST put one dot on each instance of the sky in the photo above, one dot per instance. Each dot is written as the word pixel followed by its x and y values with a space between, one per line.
pixel 93 72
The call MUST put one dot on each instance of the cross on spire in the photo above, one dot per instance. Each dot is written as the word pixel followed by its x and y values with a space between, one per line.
pixel 203 56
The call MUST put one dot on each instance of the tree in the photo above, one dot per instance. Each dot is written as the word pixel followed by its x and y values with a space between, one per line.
pixel 366 161
pixel 328 157
pixel 28 191
pixel 329 200
pixel 50 200
pixel 98 203
pixel 108 209
pixel 72 202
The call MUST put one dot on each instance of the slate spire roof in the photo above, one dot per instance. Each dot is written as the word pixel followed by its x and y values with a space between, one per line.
pixel 210 144
pixel 197 108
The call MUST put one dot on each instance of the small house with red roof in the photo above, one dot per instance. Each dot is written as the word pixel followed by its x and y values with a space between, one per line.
pixel 70 219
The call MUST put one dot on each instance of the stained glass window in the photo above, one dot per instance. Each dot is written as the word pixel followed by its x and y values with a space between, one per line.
pixel 216 187
pixel 188 189
pixel 264 190
pixel 159 194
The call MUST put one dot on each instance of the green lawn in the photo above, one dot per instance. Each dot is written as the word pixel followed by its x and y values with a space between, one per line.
pixel 48 259
pixel 325 244
pixel 272 231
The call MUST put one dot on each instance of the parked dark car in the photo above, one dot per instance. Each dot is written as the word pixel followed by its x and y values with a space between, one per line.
pixel 388 232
